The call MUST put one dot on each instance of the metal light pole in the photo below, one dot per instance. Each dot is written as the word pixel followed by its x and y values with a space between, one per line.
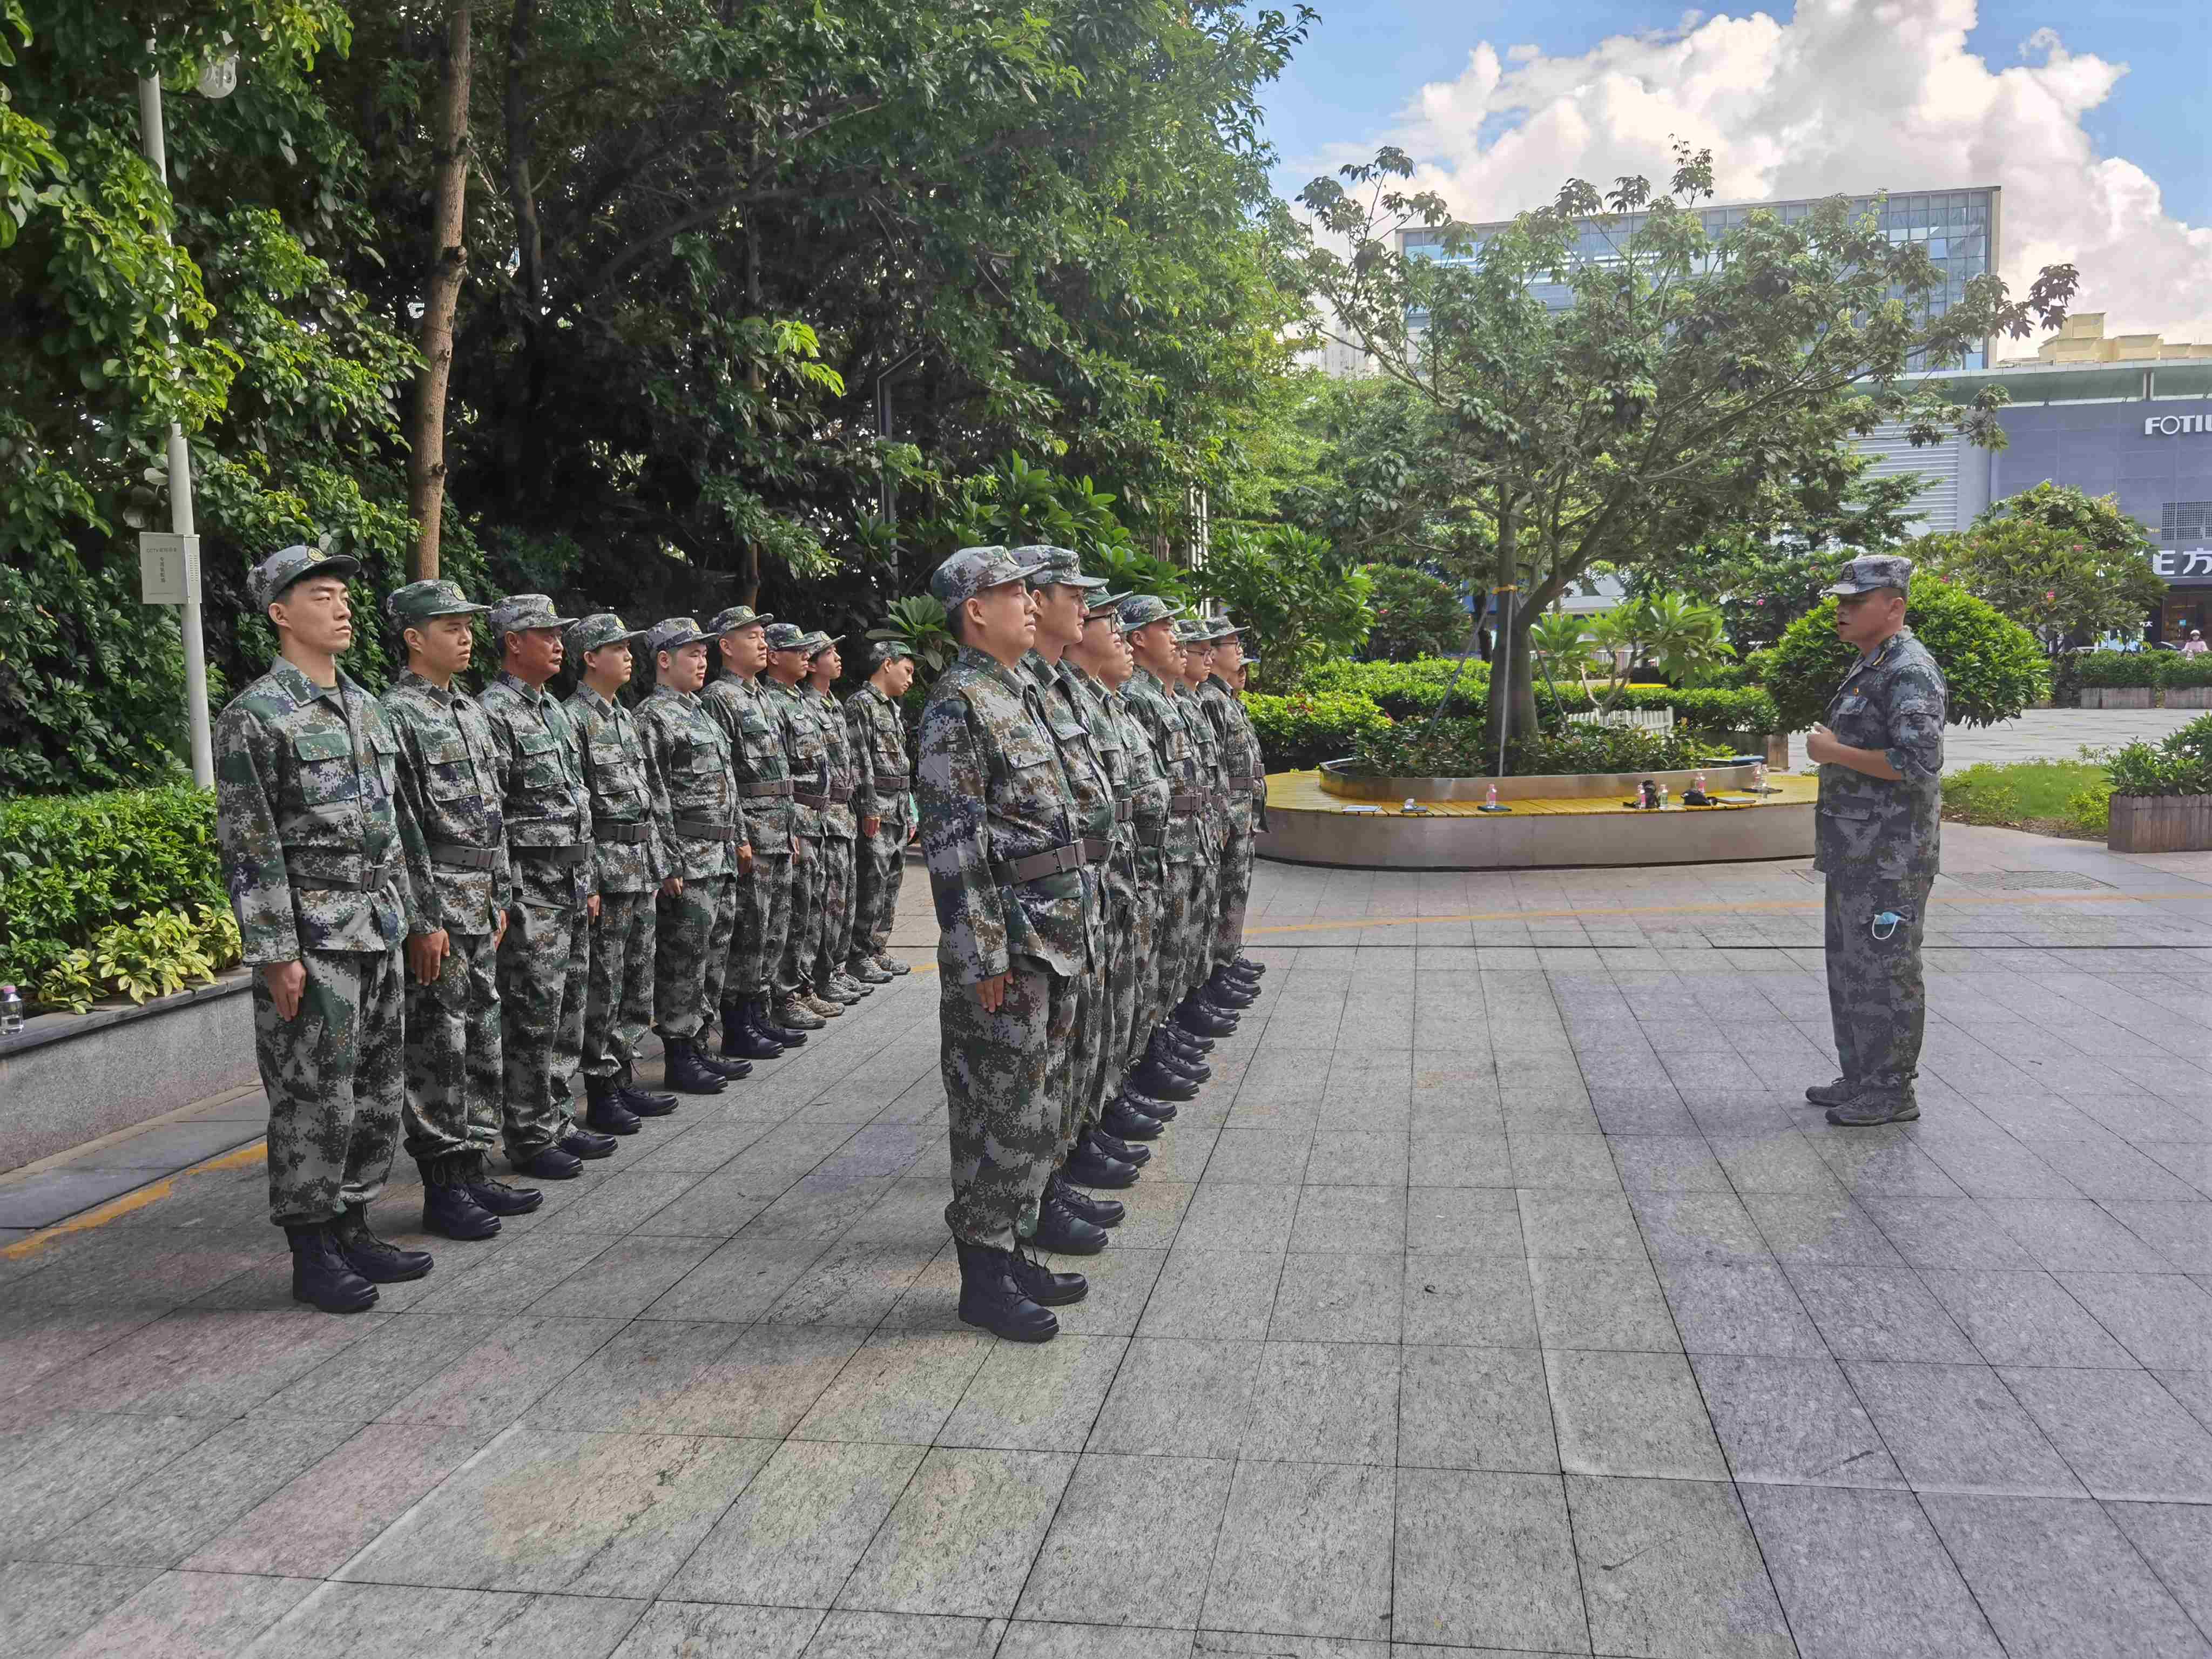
pixel 216 83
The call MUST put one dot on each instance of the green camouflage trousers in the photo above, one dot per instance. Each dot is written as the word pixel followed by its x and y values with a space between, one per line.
pixel 1177 883
pixel 1005 1117
pixel 453 1065
pixel 1876 994
pixel 1103 1040
pixel 756 943
pixel 691 952
pixel 834 927
pixel 879 864
pixel 1142 966
pixel 544 964
pixel 619 1007
pixel 334 1074
pixel 800 938
pixel 1235 883
pixel 1194 953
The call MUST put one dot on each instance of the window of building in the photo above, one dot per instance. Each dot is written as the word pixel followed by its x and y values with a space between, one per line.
pixel 2185 521
pixel 2182 381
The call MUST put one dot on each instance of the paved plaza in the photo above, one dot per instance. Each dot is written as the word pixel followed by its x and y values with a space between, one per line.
pixel 1500 1295
pixel 2049 735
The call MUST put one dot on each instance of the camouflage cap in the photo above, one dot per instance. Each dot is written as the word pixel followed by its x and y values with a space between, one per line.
pixel 970 571
pixel 1048 566
pixel 1140 610
pixel 1192 631
pixel 1872 570
pixel 784 637
pixel 420 601
pixel 674 633
pixel 817 642
pixel 736 617
pixel 267 580
pixel 886 651
pixel 601 628
pixel 1102 603
pixel 519 611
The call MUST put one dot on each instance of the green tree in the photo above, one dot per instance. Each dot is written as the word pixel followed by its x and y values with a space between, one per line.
pixel 1415 615
pixel 1992 665
pixel 1298 609
pixel 2062 563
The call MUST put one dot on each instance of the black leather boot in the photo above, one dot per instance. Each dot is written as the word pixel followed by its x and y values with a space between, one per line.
pixel 496 1195
pixel 606 1114
pixel 1061 1229
pixel 579 1142
pixel 1125 1122
pixel 646 1103
pixel 450 1210
pixel 548 1164
pixel 1223 993
pixel 1179 1062
pixel 1046 1288
pixel 686 1074
pixel 767 1024
pixel 741 1039
pixel 1098 1212
pixel 1257 969
pixel 1203 999
pixel 1090 1166
pixel 1113 1146
pixel 373 1258
pixel 321 1275
pixel 1159 1110
pixel 1156 1079
pixel 992 1298
pixel 1189 1043
pixel 1195 1017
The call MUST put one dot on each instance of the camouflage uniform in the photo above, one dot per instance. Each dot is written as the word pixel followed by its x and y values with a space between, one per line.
pixel 886 779
pixel 1126 924
pixel 840 830
pixel 315 843
pixel 992 796
pixel 688 749
pixel 544 961
pixel 631 856
pixel 1878 841
pixel 1153 712
pixel 803 757
pixel 1242 772
pixel 740 707
pixel 1149 794
pixel 449 778
pixel 1195 948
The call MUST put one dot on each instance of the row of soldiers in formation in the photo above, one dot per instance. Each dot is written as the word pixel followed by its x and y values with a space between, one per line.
pixel 458 905
pixel 1091 789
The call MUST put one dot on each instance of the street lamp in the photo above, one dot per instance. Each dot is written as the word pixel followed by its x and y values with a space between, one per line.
pixel 218 80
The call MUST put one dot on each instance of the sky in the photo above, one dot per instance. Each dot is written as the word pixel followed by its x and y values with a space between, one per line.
pixel 2092 115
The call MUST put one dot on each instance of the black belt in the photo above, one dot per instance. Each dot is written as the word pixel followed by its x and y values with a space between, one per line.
pixel 774 789
pixel 1182 806
pixel 818 802
pixel 1037 866
pixel 1093 849
pixel 621 834
pixel 839 793
pixel 465 858
pixel 1125 811
pixel 309 881
pixel 570 854
pixel 1155 837
pixel 700 829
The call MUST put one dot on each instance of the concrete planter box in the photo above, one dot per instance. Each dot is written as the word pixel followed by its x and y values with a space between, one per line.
pixel 2189 696
pixel 1559 786
pixel 2119 696
pixel 2160 824
pixel 68 1078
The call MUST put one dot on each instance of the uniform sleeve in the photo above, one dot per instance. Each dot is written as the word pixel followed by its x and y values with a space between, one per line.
pixel 253 871
pixel 954 776
pixel 859 737
pixel 428 914
pixel 1916 710
pixel 571 731
pixel 662 849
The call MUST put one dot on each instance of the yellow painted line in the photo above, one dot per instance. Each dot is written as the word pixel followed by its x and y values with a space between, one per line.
pixel 131 1203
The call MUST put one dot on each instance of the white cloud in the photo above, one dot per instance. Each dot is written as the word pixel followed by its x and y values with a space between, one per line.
pixel 1846 95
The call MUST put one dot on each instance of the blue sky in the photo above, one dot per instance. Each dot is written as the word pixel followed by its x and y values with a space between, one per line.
pixel 1853 87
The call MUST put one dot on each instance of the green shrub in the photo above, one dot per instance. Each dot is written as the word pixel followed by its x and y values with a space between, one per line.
pixel 1415 615
pixel 1993 667
pixel 2091 809
pixel 1301 732
pixel 2179 765
pixel 1455 749
pixel 1408 691
pixel 72 865
pixel 1416 690
pixel 2176 671
pixel 2120 668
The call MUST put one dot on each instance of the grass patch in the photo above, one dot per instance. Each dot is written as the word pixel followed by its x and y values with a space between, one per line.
pixel 2044 797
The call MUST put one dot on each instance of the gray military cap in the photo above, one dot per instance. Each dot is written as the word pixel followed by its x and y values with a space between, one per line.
pixel 519 611
pixel 884 651
pixel 970 571
pixel 786 636
pixel 1872 570
pixel 817 642
pixel 1104 604
pixel 1054 566
pixel 1140 610
pixel 674 633
pixel 737 616
pixel 420 601
pixel 601 628
pixel 1191 631
pixel 267 580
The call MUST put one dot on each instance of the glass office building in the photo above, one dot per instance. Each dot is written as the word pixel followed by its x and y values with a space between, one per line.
pixel 1960 228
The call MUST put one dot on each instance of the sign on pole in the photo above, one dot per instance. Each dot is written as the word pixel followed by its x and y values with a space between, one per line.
pixel 168 568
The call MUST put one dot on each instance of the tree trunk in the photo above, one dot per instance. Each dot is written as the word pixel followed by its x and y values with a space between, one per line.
pixel 1509 651
pixel 426 436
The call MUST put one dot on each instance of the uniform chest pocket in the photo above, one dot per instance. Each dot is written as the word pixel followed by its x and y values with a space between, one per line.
pixel 539 755
pixel 328 775
pixel 449 771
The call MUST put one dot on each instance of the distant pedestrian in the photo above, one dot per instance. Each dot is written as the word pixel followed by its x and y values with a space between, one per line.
pixel 2194 645
pixel 1877 839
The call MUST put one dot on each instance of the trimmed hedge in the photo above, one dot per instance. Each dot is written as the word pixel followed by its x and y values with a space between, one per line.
pixel 2123 669
pixel 1415 690
pixel 1455 749
pixel 2178 764
pixel 1299 732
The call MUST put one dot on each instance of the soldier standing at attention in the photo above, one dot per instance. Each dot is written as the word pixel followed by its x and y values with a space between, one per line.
pixel 691 951
pixel 884 805
pixel 749 1030
pixel 544 961
pixel 999 833
pixel 449 780
pixel 315 849
pixel 798 1006
pixel 1197 950
pixel 1233 975
pixel 1877 836
pixel 832 938
pixel 631 860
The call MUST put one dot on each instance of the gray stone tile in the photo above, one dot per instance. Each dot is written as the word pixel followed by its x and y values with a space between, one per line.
pixel 1214 1293
pixel 762 1383
pixel 2176 1540
pixel 1484 1220
pixel 2025 1319
pixel 1338 1218
pixel 899 1386
pixel 1528 1594
pixel 1474 1408
pixel 1305 1549
pixel 1026 1639
pixel 45 1606
pixel 1239 1218
pixel 1816 1230
pixel 1862 1574
pixel 184 1615
pixel 629 1384
pixel 1631 1414
pixel 1258 1156
pixel 2163 1318
pixel 1153 1212
pixel 707 1630
pixel 1126 1545
pixel 1442 1158
pixel 854 1282
pixel 740 1281
pixel 2059 1581
pixel 500 1377
pixel 1580 1223
pixel 1957 1428
pixel 2122 1432
pixel 2182 1233
pixel 1584 1302
pixel 960 1540
pixel 1879 1313
pixel 505 1275
pixel 1711 1226
pixel 625 1279
pixel 1039 1397
pixel 1570 1163
pixel 1737 1307
pixel 1774 1161
pixel 800 1527
pixel 192 1363
pixel 626 1202
pixel 1357 1158
pixel 1792 1422
pixel 1179 1398
pixel 52 1195
pixel 1121 1282
pixel 1668 1163
pixel 904 1636
pixel 1325 1402
pixel 1947 1232
pixel 1669 1567
pixel 342 1620
pixel 1470 1298
pixel 365 1380
pixel 593 1515
pixel 1339 1298
pixel 2073 1235
pixel 66 1469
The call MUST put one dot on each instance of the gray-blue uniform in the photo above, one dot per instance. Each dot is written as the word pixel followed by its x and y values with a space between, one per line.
pixel 1878 841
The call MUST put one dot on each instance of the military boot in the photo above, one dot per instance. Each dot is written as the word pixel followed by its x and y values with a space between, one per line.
pixel 1257 969
pixel 1112 1146
pixel 1181 1062
pixel 1046 1288
pixel 1194 1044
pixel 1125 1122
pixel 838 989
pixel 1870 1106
pixel 450 1210
pixel 792 1014
pixel 760 1015
pixel 741 1039
pixel 646 1103
pixel 1224 994
pixel 548 1164
pixel 991 1296
pixel 827 1007
pixel 1090 1166
pixel 1837 1093
pixel 687 1073
pixel 1061 1229
pixel 1159 1110
pixel 890 964
pixel 1154 1078
pixel 321 1275
pixel 605 1113
pixel 496 1195
pixel 375 1259
pixel 863 969
pixel 1202 999
pixel 1195 1018
pixel 1098 1212
pixel 579 1142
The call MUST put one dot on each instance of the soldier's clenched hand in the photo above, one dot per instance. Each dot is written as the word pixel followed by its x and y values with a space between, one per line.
pixel 673 886
pixel 288 984
pixel 1820 744
pixel 745 858
pixel 426 955
pixel 991 992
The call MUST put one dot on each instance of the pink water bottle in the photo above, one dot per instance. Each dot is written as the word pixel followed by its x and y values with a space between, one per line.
pixel 1490 796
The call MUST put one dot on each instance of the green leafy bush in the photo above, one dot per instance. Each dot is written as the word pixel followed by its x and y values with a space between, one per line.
pixel 2179 765
pixel 70 866
pixel 1415 690
pixel 1301 732
pixel 1456 749
pixel 1415 615
pixel 1993 667
pixel 2177 671
pixel 1406 690
pixel 156 953
pixel 2120 669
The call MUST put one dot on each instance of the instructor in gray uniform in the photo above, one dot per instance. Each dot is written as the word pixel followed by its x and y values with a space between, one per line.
pixel 1880 754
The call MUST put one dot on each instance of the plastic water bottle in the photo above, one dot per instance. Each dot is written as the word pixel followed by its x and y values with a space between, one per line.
pixel 11 1010
pixel 1759 777
pixel 1663 797
pixel 1490 796
pixel 1698 783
